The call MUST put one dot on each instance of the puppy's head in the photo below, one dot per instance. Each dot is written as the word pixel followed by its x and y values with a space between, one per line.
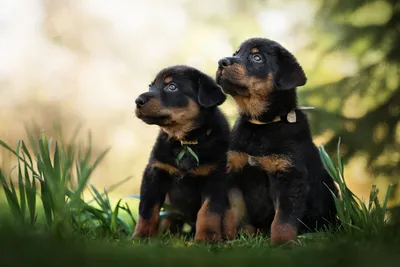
pixel 259 67
pixel 176 99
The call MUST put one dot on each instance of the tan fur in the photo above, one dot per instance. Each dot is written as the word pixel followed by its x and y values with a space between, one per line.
pixel 204 170
pixel 152 107
pixel 149 227
pixel 182 120
pixel 235 215
pixel 229 224
pixel 236 160
pixel 282 232
pixel 254 50
pixel 208 224
pixel 168 79
pixel 166 167
pixel 254 101
pixel 271 163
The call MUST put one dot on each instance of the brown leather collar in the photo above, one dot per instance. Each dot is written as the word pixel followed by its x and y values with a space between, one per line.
pixel 254 121
pixel 291 117
pixel 193 142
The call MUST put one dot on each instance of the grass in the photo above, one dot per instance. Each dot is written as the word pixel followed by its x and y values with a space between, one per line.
pixel 51 221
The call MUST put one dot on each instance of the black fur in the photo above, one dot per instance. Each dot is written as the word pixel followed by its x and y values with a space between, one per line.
pixel 186 191
pixel 305 201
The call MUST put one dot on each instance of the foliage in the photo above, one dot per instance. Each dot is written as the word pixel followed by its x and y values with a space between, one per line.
pixel 60 173
pixel 363 106
pixel 353 213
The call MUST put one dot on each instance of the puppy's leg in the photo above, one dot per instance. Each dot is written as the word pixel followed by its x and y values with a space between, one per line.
pixel 214 205
pixel 290 203
pixel 153 190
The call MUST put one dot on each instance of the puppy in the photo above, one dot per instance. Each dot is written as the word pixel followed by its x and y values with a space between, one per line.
pixel 272 159
pixel 188 159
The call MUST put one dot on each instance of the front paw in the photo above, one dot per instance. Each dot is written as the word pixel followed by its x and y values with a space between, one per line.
pixel 208 235
pixel 145 228
pixel 282 233
pixel 138 234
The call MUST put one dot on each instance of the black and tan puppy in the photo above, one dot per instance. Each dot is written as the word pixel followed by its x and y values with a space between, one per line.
pixel 272 158
pixel 189 156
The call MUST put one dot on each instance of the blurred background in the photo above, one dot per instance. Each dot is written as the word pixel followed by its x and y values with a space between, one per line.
pixel 84 62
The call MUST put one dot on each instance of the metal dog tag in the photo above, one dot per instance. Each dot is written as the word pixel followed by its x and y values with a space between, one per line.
pixel 291 116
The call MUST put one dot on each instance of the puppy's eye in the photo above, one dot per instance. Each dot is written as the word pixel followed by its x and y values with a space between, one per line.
pixel 171 87
pixel 256 58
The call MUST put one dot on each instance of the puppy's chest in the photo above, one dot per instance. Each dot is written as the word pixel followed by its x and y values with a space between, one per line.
pixel 257 142
pixel 184 160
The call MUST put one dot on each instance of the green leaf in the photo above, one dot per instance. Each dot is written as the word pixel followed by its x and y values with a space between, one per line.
pixel 128 210
pixel 180 155
pixel 328 164
pixel 113 225
pixel 11 198
pixel 47 203
pixel 98 198
pixel 339 159
pixel 387 196
pixel 193 154
pixel 21 188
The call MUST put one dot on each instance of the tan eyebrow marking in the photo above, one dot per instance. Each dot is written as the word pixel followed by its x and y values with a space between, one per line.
pixel 254 50
pixel 168 79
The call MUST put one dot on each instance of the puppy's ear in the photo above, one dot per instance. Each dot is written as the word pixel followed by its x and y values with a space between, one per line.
pixel 289 73
pixel 210 93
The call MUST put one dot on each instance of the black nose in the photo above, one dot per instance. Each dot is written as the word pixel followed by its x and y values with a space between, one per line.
pixel 140 101
pixel 224 62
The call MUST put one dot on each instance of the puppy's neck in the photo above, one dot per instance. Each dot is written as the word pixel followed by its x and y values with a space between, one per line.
pixel 191 131
pixel 277 103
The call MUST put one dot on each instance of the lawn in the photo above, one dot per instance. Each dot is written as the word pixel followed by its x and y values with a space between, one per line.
pixel 52 216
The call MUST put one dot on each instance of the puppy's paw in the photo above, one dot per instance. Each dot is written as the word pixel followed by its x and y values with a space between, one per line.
pixel 283 233
pixel 208 235
pixel 143 234
pixel 145 229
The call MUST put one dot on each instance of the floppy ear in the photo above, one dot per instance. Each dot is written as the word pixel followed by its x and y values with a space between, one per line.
pixel 210 93
pixel 289 73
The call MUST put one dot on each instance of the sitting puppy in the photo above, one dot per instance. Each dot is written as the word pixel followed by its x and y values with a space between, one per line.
pixel 188 159
pixel 272 158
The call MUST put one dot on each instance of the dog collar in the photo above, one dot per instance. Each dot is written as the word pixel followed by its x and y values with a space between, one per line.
pixel 254 121
pixel 193 142
pixel 291 117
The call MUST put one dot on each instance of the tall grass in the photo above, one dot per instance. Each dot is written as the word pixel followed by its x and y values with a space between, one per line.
pixel 355 215
pixel 56 174
pixel 59 173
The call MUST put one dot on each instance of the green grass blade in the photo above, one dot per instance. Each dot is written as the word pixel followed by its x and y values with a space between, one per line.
pixel 114 218
pixel 57 165
pixel 21 187
pixel 7 147
pixel 85 174
pixel 328 164
pixel 47 203
pixel 107 202
pixel 128 210
pixel 339 159
pixel 99 198
pixel 30 195
pixel 11 197
pixel 387 196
